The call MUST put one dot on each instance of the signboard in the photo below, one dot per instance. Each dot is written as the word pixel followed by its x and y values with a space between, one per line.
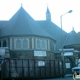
pixel 68 54
pixel 41 63
pixel 39 53
pixel 67 65
pixel 2 52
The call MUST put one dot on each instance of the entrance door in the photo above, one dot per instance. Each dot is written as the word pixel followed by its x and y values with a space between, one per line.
pixel 68 66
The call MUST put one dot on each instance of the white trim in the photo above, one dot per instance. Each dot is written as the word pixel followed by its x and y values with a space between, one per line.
pixel 7 42
pixel 32 43
pixel 48 44
pixel 10 43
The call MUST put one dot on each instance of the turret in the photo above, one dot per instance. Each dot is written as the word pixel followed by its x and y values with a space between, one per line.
pixel 48 15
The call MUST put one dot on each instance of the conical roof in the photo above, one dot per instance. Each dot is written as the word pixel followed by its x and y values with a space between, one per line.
pixel 72 39
pixel 47 12
pixel 22 24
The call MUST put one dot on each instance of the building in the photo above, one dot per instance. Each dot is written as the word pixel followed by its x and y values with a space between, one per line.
pixel 30 39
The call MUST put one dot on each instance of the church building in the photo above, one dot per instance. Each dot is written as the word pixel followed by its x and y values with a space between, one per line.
pixel 29 39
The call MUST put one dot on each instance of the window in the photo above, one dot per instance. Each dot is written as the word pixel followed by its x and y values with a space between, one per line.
pixel 21 43
pixel 25 43
pixel 18 43
pixel 38 43
pixel 52 45
pixel 43 44
pixel 4 43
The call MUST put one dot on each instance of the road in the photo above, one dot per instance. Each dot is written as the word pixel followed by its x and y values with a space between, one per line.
pixel 66 78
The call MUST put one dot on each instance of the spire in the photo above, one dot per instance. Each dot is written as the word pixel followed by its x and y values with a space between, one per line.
pixel 48 14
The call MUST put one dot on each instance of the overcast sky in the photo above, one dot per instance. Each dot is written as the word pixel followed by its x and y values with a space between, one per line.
pixel 37 9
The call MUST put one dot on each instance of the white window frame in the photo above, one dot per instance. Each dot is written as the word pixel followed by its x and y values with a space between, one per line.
pixel 15 39
pixel 37 44
pixel 52 43
pixel 45 44
pixel 15 43
pixel 41 43
pixel 27 41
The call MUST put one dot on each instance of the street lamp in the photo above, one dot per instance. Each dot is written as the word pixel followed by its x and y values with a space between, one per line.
pixel 70 11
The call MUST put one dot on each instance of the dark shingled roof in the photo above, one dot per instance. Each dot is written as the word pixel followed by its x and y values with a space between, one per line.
pixel 72 38
pixel 54 31
pixel 2 23
pixel 22 24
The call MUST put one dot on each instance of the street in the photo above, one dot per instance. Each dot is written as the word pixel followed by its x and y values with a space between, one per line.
pixel 66 78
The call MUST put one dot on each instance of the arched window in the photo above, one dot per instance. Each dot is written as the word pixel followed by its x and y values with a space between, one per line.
pixel 38 43
pixel 43 44
pixel 25 43
pixel 18 43
pixel 4 43
pixel 52 45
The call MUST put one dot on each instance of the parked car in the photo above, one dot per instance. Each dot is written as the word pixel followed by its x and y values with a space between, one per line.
pixel 77 71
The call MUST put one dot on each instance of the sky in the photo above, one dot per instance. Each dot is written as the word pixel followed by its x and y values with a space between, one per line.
pixel 37 10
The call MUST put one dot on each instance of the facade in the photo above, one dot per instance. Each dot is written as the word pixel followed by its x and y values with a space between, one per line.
pixel 26 39
pixel 30 39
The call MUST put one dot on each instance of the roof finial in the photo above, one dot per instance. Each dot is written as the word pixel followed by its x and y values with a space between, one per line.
pixel 21 4
pixel 73 28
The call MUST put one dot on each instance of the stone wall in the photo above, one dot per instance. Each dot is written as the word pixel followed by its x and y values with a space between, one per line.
pixel 29 54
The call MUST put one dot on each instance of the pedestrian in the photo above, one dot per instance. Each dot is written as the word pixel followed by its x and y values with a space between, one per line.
pixel 74 75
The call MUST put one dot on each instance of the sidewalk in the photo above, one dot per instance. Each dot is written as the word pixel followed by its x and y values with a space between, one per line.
pixel 68 75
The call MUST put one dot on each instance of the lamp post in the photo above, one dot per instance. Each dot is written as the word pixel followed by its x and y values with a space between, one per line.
pixel 62 53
